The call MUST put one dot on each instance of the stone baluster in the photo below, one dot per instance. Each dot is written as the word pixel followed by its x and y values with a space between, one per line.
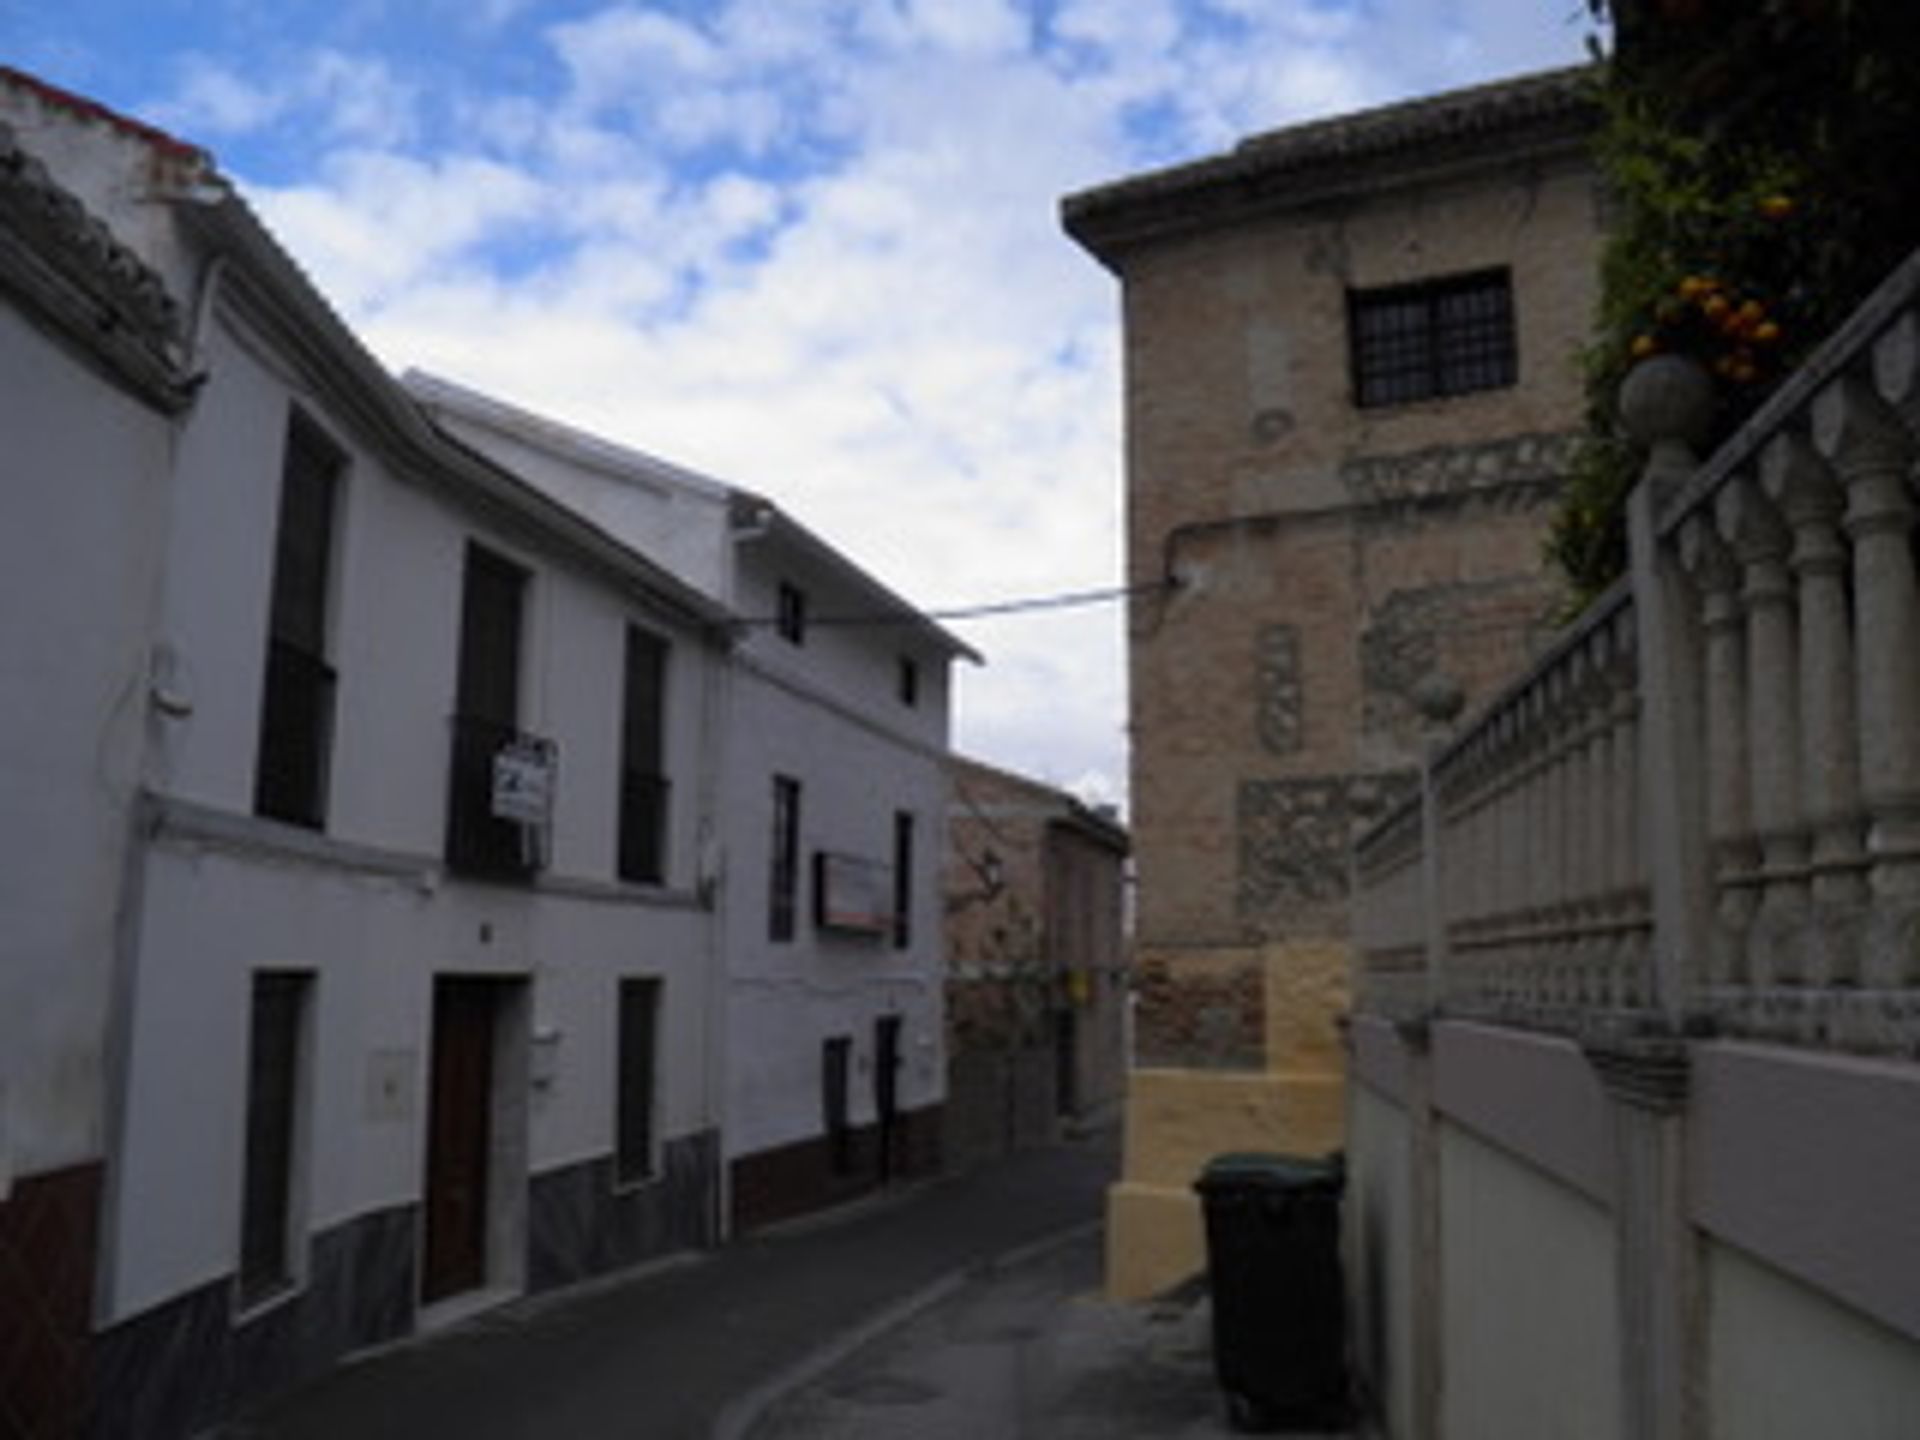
pixel 1761 542
pixel 1626 881
pixel 1871 451
pixel 1806 493
pixel 1667 404
pixel 1595 816
pixel 1716 578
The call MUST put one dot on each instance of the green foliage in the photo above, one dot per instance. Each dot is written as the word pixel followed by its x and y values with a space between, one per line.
pixel 1758 158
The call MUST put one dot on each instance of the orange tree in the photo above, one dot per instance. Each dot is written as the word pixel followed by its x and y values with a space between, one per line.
pixel 1760 158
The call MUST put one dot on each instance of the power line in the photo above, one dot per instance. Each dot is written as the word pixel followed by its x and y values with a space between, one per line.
pixel 1064 600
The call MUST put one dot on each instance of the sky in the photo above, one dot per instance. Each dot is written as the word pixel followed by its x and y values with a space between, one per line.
pixel 807 247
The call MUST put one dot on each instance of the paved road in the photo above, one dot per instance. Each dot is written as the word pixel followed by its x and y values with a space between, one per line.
pixel 673 1353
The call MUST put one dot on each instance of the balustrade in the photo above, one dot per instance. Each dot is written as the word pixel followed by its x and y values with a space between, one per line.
pixel 1776 586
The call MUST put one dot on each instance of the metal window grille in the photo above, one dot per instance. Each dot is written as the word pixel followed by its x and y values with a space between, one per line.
pixel 784 882
pixel 1434 339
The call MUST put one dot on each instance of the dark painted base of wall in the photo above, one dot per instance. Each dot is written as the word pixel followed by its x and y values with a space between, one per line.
pixel 797 1179
pixel 48 1242
pixel 180 1366
pixel 581 1225
pixel 185 1365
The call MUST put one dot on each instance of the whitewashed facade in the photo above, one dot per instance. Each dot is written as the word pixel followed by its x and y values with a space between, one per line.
pixel 348 1024
pixel 833 804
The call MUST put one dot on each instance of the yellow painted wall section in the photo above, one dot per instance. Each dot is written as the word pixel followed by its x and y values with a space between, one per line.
pixel 1178 1120
pixel 1306 993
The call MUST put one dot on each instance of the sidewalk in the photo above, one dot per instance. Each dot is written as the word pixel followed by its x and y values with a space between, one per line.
pixel 692 1347
pixel 1027 1348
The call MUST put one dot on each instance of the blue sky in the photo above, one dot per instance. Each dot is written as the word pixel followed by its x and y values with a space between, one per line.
pixel 806 246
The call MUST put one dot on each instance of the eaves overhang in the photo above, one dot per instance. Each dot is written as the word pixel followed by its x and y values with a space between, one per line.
pixel 755 517
pixel 280 301
pixel 1531 118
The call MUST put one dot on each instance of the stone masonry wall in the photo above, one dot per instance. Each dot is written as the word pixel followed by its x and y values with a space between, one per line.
pixel 1328 561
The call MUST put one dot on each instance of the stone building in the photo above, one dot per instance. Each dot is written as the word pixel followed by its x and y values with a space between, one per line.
pixel 1351 387
pixel 1037 973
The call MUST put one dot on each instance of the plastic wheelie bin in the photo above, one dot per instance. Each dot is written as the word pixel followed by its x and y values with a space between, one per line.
pixel 1279 1311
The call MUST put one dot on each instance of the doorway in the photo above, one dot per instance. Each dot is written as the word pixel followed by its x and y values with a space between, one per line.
pixel 886 1089
pixel 462 1154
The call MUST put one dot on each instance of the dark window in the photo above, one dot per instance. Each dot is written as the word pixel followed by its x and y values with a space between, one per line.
pixel 274 1049
pixel 639 1031
pixel 485 837
pixel 1441 337
pixel 790 618
pixel 643 783
pixel 296 703
pixel 836 1064
pixel 909 681
pixel 784 886
pixel 902 879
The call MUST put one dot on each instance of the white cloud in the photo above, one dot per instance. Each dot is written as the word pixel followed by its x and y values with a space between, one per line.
pixel 866 307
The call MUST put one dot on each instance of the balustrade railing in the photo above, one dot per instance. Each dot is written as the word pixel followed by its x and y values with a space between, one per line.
pixel 1701 808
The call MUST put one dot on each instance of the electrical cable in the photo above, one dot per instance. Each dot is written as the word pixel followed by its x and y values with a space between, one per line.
pixel 1067 599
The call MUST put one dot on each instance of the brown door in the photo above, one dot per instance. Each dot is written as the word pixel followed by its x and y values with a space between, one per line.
pixel 459 1137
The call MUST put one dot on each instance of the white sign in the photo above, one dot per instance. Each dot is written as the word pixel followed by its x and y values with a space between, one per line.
pixel 523 782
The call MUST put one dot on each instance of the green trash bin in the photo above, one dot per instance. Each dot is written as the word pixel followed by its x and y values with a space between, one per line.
pixel 1279 1307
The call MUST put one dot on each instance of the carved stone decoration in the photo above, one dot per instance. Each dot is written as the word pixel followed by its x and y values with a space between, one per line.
pixel 1649 1072
pixel 1445 472
pixel 1281 710
pixel 1295 839
pixel 1414 639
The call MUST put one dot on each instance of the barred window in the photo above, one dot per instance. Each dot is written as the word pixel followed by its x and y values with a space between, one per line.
pixel 1436 338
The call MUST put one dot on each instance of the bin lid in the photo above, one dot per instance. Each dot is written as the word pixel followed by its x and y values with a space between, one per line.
pixel 1264 1170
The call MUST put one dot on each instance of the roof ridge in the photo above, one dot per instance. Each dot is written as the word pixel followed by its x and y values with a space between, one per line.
pixel 89 109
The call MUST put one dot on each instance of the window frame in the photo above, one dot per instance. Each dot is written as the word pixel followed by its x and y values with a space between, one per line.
pixel 1426 353
pixel 293 756
pixel 783 888
pixel 790 613
pixel 274 1236
pixel 640 842
pixel 636 1102
pixel 903 828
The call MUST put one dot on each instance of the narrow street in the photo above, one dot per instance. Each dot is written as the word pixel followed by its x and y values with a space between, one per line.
pixel 695 1347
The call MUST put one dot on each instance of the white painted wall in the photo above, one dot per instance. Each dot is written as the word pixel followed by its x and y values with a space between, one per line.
pixel 672 516
pixel 860 756
pixel 81 515
pixel 1528 1326
pixel 1787 1361
pixel 1379 1250
pixel 827 713
pixel 367 908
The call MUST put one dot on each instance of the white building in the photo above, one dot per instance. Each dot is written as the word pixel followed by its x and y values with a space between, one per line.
pixel 359 795
pixel 833 813
pixel 90 382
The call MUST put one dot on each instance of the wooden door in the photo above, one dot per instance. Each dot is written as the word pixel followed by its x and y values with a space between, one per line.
pixel 459 1137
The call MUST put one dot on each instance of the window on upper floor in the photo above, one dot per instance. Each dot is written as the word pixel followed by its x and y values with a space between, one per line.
pixel 644 788
pixel 790 614
pixel 909 681
pixel 783 890
pixel 902 879
pixel 1437 338
pixel 500 782
pixel 296 700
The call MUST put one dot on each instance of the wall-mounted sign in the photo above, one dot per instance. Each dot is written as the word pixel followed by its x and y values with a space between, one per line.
pixel 852 894
pixel 523 772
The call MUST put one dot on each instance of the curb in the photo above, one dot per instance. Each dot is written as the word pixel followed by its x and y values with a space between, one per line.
pixel 741 1415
